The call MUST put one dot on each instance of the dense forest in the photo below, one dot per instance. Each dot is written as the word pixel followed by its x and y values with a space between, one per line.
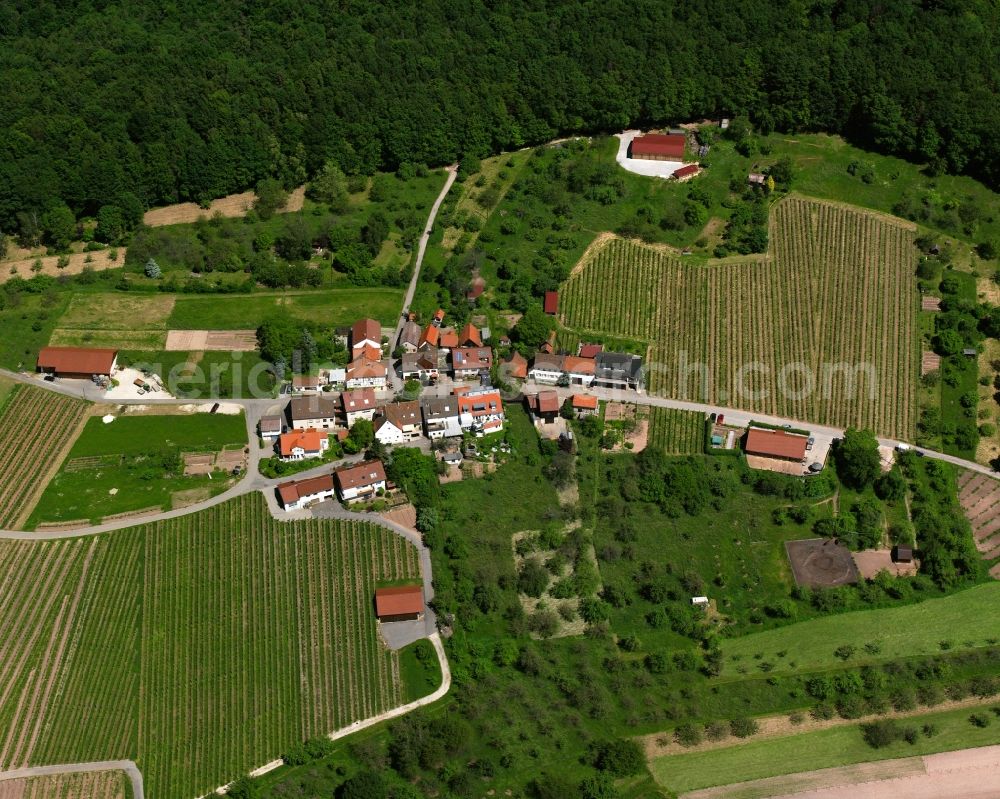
pixel 139 103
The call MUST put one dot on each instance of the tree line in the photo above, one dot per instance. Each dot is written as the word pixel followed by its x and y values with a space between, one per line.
pixel 112 108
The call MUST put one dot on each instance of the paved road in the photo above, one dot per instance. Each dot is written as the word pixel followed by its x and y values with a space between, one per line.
pixel 128 766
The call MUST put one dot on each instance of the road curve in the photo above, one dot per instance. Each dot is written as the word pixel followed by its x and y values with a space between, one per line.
pixel 128 766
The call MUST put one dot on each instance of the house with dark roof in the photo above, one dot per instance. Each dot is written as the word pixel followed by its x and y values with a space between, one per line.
pixel 441 417
pixel 315 410
pixel 398 422
pixel 546 368
pixel 409 336
pixel 543 407
pixel 360 480
pixel 422 366
pixel 618 370
pixel 399 603
pixel 271 427
pixel 78 362
pixel 296 494
pixel 658 147
pixel 780 444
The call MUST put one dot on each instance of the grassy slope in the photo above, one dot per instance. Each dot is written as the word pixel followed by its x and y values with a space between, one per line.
pixel 966 618
pixel 85 494
pixel 419 670
pixel 815 750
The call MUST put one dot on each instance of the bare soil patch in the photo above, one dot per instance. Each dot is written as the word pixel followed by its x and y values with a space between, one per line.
pixel 929 362
pixel 453 475
pixel 871 561
pixel 185 213
pixel 211 340
pixel 821 563
pixel 928 303
pixel 99 260
pixel 403 515
pixel 192 496
pixel 774 465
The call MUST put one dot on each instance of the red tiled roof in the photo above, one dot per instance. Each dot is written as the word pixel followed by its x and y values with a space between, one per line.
pixel 365 329
pixel 469 337
pixel 684 171
pixel 544 402
pixel 361 474
pixel 585 401
pixel 484 404
pixel 294 490
pixel 551 302
pixel 671 144
pixel 358 399
pixel 439 314
pixel 401 414
pixel 77 360
pixel 590 350
pixel 472 358
pixel 776 443
pixel 309 440
pixel 362 367
pixel 305 381
pixel 449 338
pixel 578 365
pixel 516 365
pixel 399 601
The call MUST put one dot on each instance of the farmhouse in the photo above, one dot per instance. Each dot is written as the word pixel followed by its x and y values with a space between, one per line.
pixel 543 407
pixel 618 370
pixel 358 404
pixel 779 444
pixel 515 367
pixel 551 306
pixel 584 405
pixel 298 445
pixel 546 368
pixel 315 411
pixel 297 494
pixel 302 384
pixel 441 418
pixel 685 173
pixel 469 362
pixel 366 335
pixel 481 411
pixel 579 371
pixel 658 147
pixel 271 427
pixel 365 373
pixel 422 366
pixel 398 422
pixel 409 336
pixel 360 480
pixel 399 603
pixel 77 362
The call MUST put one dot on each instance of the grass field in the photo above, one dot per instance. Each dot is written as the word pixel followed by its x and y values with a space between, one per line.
pixel 26 326
pixel 771 334
pixel 200 647
pixel 828 748
pixel 676 432
pixel 36 427
pixel 419 670
pixel 965 619
pixel 126 456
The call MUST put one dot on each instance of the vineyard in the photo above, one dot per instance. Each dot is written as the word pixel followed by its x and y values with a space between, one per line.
pixel 676 432
pixel 36 428
pixel 823 329
pixel 85 785
pixel 200 646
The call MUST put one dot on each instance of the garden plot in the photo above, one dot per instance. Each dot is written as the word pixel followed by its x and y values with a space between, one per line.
pixel 980 499
pixel 211 340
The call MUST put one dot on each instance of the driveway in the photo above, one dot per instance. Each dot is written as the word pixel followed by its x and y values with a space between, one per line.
pixel 641 166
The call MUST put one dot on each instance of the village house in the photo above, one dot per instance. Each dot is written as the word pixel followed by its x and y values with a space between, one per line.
pixel 422 366
pixel 296 494
pixel 271 427
pixel 658 147
pixel 365 373
pixel 366 340
pixel 515 367
pixel 398 422
pixel 438 317
pixel 304 384
pixel 543 407
pixel 469 336
pixel 399 603
pixel 315 411
pixel 579 371
pixel 409 336
pixel 585 350
pixel 547 368
pixel 585 405
pixel 780 444
pixel 298 445
pixel 358 404
pixel 481 412
pixel 360 480
pixel 78 362
pixel 441 418
pixel 618 370
pixel 471 362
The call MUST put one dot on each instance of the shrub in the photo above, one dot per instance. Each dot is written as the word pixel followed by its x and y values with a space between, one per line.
pixel 881 733
pixel 621 758
pixel 743 727
pixel 979 720
pixel 688 734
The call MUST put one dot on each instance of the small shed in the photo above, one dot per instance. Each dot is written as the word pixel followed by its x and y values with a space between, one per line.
pixel 969 352
pixel 902 554
pixel 399 603
pixel 699 600
pixel 552 302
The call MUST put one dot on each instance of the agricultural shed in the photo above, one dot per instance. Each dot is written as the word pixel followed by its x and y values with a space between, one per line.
pixel 584 405
pixel 686 173
pixel 552 302
pixel 902 554
pixel 776 444
pixel 399 603
pixel 81 362
pixel 658 147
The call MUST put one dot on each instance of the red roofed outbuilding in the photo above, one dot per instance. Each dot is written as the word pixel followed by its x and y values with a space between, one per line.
pixel 551 302
pixel 399 603
pixel 776 444
pixel 658 147
pixel 78 362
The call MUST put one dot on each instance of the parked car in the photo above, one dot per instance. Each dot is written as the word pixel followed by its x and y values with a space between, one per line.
pixel 809 443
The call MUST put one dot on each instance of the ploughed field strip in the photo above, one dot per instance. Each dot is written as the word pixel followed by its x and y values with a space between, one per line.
pixel 836 292
pixel 200 647
pixel 36 426
pixel 980 499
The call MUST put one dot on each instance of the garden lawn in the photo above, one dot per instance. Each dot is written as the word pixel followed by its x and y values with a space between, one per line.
pixel 963 620
pixel 419 670
pixel 130 452
pixel 333 307
pixel 837 746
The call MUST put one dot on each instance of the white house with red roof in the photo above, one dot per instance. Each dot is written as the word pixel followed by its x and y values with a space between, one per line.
pixel 366 373
pixel 297 445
